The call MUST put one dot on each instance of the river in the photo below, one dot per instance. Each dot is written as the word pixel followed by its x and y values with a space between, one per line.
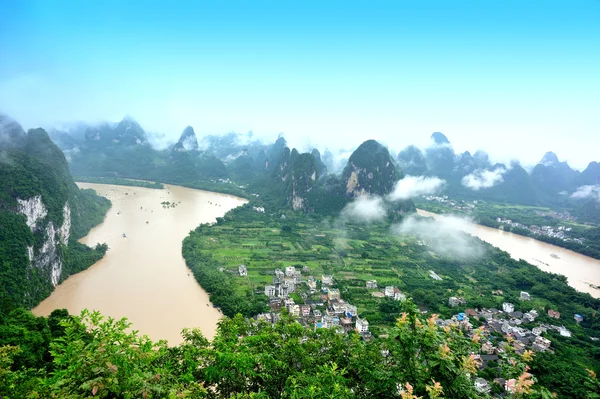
pixel 580 270
pixel 143 276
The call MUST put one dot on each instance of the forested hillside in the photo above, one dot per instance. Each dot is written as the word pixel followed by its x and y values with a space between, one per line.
pixel 42 213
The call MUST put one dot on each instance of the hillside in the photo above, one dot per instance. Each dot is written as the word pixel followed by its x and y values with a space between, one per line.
pixel 43 213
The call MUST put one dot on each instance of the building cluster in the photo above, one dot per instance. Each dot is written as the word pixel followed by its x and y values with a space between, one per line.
pixel 564 216
pixel 509 323
pixel 559 232
pixel 323 305
pixel 453 204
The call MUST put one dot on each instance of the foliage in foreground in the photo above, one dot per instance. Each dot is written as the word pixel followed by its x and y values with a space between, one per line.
pixel 90 357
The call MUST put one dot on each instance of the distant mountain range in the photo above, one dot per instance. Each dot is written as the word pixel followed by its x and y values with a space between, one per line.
pixel 123 150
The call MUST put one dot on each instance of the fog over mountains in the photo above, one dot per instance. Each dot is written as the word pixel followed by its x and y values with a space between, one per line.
pixel 438 157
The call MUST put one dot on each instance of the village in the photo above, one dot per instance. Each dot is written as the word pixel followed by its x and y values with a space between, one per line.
pixel 560 232
pixel 500 330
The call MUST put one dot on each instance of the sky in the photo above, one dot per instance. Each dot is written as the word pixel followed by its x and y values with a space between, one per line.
pixel 514 78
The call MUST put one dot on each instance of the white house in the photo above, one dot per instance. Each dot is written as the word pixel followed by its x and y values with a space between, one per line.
pixel 362 326
pixel 481 385
pixel 242 270
pixel 525 296
pixel 326 280
pixel 398 295
pixel 270 291
pixel 389 291
pixel 508 307
pixel 279 274
pixel 290 271
pixel 294 310
pixel 372 284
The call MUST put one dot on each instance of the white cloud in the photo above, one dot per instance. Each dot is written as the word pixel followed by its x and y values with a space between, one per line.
pixel 412 186
pixel 365 209
pixel 446 235
pixel 587 192
pixel 482 178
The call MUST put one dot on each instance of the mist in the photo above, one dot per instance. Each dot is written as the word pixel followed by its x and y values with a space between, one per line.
pixel 585 192
pixel 365 209
pixel 483 178
pixel 413 186
pixel 446 235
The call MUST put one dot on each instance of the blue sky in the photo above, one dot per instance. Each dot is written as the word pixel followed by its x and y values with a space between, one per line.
pixel 515 78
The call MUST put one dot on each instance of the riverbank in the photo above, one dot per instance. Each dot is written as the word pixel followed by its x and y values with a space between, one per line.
pixel 582 272
pixel 143 276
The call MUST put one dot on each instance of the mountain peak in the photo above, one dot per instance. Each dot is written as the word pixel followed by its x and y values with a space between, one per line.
pixel 440 138
pixel 549 158
pixel 187 140
pixel 10 130
pixel 370 170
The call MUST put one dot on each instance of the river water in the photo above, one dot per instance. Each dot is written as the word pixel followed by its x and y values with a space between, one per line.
pixel 143 276
pixel 580 270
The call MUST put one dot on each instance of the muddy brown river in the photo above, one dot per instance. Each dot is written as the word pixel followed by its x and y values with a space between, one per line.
pixel 580 270
pixel 143 275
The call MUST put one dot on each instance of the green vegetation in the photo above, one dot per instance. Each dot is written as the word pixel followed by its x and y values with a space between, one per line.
pixel 33 167
pixel 119 181
pixel 90 356
pixel 354 254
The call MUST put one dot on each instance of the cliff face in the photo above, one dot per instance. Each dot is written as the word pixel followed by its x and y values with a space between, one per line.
pixel 298 174
pixel 46 258
pixel 41 208
pixel 370 170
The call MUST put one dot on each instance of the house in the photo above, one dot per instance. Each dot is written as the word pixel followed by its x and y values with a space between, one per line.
pixel 270 291
pixel 372 284
pixel 544 342
pixel 497 292
pixel 488 348
pixel 530 316
pixel 351 310
pixel 524 296
pixel 398 295
pixel 481 385
pixel 305 310
pixel 290 271
pixel 294 310
pixel 288 302
pixel 578 318
pixel 455 301
pixel 346 324
pixel 282 290
pixel 537 331
pixel 389 291
pixel 306 269
pixel 317 313
pixel 554 314
pixel 290 283
pixel 333 294
pixel 279 274
pixel 326 280
pixel 242 270
pixel 434 275
pixel 516 315
pixel 275 304
pixel 564 332
pixel 362 326
pixel 508 307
